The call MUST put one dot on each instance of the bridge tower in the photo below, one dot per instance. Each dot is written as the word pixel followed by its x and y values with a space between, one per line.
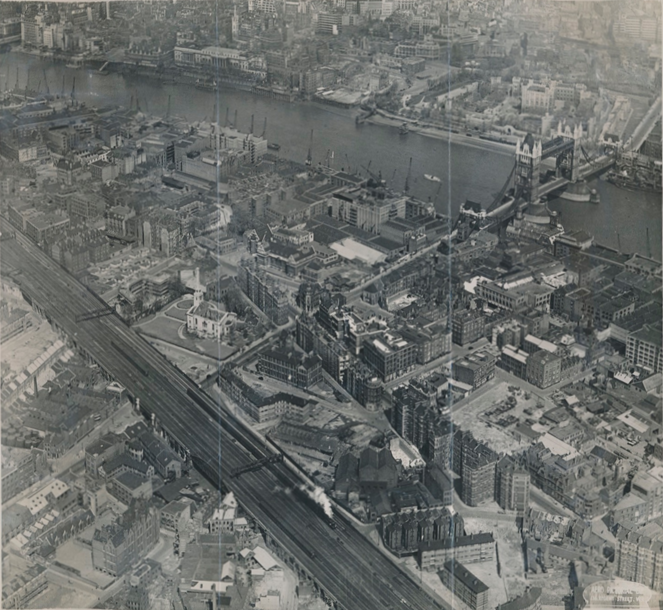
pixel 528 162
pixel 570 159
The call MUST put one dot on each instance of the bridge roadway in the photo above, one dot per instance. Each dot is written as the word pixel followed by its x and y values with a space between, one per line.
pixel 645 127
pixel 354 573
pixel 585 170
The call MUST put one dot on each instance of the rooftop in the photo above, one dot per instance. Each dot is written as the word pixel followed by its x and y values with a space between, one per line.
pixel 463 575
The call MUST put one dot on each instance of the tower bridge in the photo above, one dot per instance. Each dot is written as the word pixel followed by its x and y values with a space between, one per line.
pixel 525 186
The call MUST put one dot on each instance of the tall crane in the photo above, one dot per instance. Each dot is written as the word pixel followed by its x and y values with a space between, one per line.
pixel 264 129
pixel 309 157
pixel 407 178
pixel 251 124
pixel 437 192
pixel 376 177
pixel 48 92
pixel 73 89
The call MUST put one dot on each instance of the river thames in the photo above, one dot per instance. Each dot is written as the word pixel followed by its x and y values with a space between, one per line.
pixel 467 169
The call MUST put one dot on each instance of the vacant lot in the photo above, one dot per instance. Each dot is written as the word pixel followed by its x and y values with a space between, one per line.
pixel 62 597
pixel 76 555
pixel 511 581
pixel 473 417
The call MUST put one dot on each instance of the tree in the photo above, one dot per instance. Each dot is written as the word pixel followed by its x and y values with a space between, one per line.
pixel 234 302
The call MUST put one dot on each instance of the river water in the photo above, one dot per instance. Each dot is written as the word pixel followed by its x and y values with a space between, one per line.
pixel 466 169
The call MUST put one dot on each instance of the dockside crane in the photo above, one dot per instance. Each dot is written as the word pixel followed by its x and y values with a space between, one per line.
pixel 251 124
pixel 48 91
pixel 309 157
pixel 437 192
pixel 376 177
pixel 407 178
pixel 264 129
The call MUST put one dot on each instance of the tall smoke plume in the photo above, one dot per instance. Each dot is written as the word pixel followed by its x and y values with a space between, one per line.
pixel 318 495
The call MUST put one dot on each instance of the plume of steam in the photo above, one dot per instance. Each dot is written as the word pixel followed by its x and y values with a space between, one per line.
pixel 318 495
pixel 321 498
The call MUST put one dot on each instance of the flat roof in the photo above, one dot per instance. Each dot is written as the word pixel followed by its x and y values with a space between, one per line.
pixel 463 575
pixel 450 543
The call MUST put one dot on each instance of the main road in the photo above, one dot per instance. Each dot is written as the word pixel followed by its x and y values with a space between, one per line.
pixel 355 574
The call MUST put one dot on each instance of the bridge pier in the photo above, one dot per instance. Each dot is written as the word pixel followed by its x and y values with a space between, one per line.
pixel 302 573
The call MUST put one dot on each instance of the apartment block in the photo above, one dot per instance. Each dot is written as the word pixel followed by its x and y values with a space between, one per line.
pixel 467 327
pixel 390 355
pixel 475 369
pixel 466 549
pixel 643 348
pixel 118 546
pixel 544 369
pixel 512 485
pixel 465 585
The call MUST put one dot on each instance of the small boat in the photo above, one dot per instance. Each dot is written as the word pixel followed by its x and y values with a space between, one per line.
pixel 432 178
pixel 206 85
pixel 274 146
pixel 403 129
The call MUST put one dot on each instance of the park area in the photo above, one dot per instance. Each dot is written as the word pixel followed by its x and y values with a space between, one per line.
pixel 169 328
